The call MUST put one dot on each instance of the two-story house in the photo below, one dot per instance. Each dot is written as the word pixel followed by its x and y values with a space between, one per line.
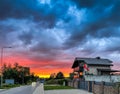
pixel 91 66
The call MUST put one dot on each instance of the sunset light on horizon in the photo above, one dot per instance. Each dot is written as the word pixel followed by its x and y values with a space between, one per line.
pixel 47 35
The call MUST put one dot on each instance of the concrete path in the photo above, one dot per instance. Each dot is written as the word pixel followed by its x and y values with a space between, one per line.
pixel 70 91
pixel 39 89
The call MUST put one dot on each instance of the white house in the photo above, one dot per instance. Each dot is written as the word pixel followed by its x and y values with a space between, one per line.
pixel 85 67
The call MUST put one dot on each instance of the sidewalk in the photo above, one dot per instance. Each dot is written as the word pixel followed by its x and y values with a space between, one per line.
pixel 39 89
pixel 70 91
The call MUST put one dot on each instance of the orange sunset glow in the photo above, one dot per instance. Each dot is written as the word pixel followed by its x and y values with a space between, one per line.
pixel 42 69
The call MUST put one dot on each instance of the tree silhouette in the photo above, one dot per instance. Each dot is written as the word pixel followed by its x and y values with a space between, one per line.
pixel 20 74
pixel 59 75
pixel 52 76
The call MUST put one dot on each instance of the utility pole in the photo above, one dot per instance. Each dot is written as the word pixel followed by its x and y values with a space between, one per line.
pixel 2 64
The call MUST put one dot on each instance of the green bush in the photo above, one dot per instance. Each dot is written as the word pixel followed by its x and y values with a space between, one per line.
pixel 61 81
pixel 56 87
pixel 52 81
pixel 56 81
pixel 7 86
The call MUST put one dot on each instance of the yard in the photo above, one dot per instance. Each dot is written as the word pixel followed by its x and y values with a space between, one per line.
pixel 56 87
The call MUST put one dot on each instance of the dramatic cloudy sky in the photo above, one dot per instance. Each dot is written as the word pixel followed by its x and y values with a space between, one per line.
pixel 47 35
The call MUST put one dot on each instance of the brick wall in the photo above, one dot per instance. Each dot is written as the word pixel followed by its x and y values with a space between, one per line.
pixel 97 89
pixel 105 89
pixel 110 90
pixel 75 84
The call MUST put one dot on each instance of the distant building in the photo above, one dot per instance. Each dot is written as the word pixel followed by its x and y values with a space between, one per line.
pixel 91 66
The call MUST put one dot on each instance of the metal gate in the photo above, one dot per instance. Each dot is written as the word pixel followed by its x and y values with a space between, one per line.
pixel 85 85
pixel 90 86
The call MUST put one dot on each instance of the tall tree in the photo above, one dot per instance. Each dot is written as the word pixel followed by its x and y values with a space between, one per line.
pixel 59 75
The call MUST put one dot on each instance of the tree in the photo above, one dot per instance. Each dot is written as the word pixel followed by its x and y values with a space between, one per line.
pixel 52 76
pixel 59 75
pixel 16 65
pixel 20 74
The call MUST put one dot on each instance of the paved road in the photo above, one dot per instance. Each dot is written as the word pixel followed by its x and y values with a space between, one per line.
pixel 20 90
pixel 2 90
pixel 71 91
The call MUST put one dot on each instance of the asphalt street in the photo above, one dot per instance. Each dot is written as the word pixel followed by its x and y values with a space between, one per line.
pixel 20 90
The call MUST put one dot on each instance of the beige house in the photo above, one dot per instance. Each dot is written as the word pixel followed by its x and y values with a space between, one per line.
pixel 92 66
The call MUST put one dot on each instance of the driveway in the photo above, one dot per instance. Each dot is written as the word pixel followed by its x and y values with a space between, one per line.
pixel 68 91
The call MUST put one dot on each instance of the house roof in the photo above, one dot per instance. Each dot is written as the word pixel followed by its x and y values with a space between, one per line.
pixel 91 61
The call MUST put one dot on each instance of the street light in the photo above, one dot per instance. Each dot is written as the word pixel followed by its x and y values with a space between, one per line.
pixel 2 63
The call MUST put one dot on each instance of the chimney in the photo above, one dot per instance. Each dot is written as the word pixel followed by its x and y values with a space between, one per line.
pixel 98 57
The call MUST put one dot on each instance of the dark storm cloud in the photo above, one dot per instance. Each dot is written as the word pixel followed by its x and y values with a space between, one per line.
pixel 16 8
pixel 26 37
pixel 101 22
pixel 23 9
pixel 85 3
pixel 45 15
pixel 72 27
pixel 5 30
pixel 113 45
pixel 47 47
pixel 93 3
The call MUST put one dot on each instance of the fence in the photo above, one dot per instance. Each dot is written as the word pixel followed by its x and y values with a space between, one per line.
pixel 96 87
pixel 85 85
pixel 105 88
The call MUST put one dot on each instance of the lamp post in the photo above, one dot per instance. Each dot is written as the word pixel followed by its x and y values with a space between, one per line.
pixel 2 63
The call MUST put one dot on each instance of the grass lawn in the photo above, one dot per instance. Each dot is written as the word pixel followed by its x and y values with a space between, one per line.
pixel 8 86
pixel 49 87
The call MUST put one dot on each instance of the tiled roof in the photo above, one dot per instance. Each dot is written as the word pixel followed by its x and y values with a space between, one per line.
pixel 95 60
pixel 92 61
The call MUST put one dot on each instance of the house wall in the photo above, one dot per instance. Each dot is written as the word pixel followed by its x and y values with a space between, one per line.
pixel 93 69
pixel 107 78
